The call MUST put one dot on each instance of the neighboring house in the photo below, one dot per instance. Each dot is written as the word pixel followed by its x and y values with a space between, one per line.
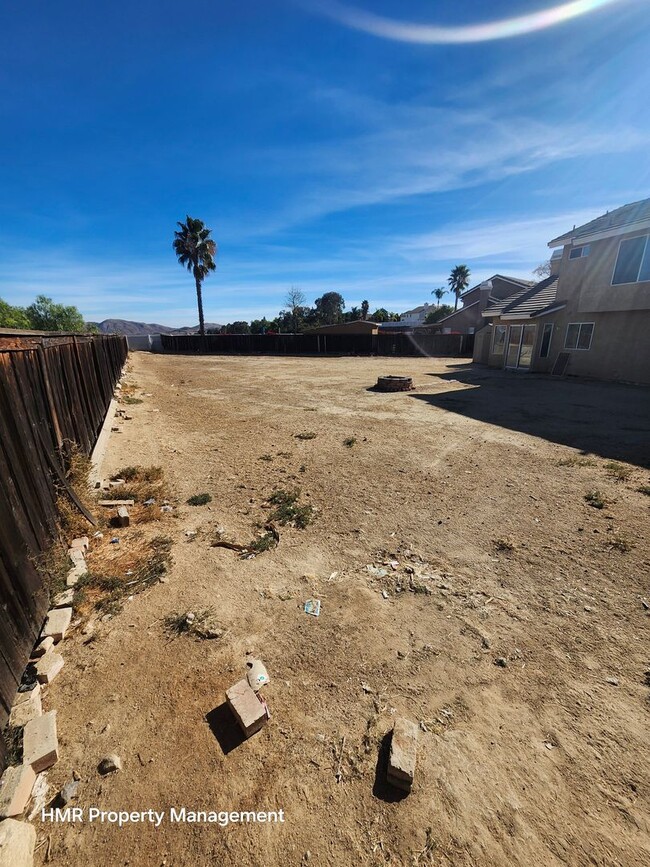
pixel 357 326
pixel 415 317
pixel 469 318
pixel 591 317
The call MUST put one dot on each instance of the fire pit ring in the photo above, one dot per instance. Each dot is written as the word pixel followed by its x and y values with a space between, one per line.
pixel 394 383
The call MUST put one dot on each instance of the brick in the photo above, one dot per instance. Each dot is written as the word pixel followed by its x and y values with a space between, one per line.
pixel 15 790
pixel 112 503
pixel 17 840
pixel 76 573
pixel 26 707
pixel 48 666
pixel 76 555
pixel 248 710
pixel 62 600
pixel 122 518
pixel 40 743
pixel 57 622
pixel 403 754
pixel 43 646
pixel 81 543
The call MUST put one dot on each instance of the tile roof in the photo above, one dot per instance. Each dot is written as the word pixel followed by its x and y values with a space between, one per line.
pixel 623 216
pixel 528 302
pixel 516 280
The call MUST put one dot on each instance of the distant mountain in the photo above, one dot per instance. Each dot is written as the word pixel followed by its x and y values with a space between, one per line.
pixel 125 326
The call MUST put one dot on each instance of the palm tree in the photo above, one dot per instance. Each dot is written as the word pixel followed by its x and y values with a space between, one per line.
pixel 440 293
pixel 196 251
pixel 365 306
pixel 458 281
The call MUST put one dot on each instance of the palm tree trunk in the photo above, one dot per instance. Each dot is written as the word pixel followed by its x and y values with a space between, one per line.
pixel 199 301
pixel 456 302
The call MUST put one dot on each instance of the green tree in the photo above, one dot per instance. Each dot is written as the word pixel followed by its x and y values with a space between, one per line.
pixel 365 306
pixel 353 314
pixel 439 313
pixel 239 327
pixel 45 315
pixel 196 251
pixel 260 326
pixel 295 301
pixel 12 317
pixel 440 293
pixel 458 281
pixel 330 308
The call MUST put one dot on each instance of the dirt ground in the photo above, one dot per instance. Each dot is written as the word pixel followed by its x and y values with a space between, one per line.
pixel 467 481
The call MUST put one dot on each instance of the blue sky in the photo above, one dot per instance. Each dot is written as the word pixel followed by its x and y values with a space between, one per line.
pixel 326 149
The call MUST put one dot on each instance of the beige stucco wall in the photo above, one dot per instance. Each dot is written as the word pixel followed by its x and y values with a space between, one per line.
pixel 587 282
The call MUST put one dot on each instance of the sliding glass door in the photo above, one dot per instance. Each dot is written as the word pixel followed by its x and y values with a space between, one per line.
pixel 521 340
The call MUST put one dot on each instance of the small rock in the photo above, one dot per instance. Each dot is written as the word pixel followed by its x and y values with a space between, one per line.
pixel 69 791
pixel 385 594
pixel 501 661
pixel 613 681
pixel 109 764
pixel 588 608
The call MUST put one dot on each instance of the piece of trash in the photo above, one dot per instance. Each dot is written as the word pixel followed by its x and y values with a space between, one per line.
pixel 385 594
pixel 98 535
pixel 166 508
pixel 257 674
pixel 115 541
pixel 380 573
pixel 149 502
pixel 190 617
pixel 312 606
pixel 366 688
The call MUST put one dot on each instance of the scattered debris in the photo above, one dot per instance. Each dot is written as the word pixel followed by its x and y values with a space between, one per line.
pixel 69 791
pixel 257 675
pixel 501 661
pixel 201 624
pixel 312 606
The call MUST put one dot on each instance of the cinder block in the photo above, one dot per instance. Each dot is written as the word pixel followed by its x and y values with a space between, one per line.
pixel 48 666
pixel 81 543
pixel 43 646
pixel 62 600
pixel 40 743
pixel 403 754
pixel 57 622
pixel 15 790
pixel 26 707
pixel 122 518
pixel 247 708
pixel 112 503
pixel 17 840
pixel 76 573
pixel 76 555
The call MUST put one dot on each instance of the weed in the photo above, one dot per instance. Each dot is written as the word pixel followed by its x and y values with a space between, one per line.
pixel 200 624
pixel 263 543
pixel 131 401
pixel 349 442
pixel 618 471
pixel 644 489
pixel 504 543
pixel 53 566
pixel 13 738
pixel 306 435
pixel 284 454
pixel 596 499
pixel 266 457
pixel 287 510
pixel 140 474
pixel 302 469
pixel 129 474
pixel 575 461
pixel 199 500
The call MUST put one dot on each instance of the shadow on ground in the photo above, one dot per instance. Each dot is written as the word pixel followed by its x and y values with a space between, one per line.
pixel 606 419
pixel 382 789
pixel 225 728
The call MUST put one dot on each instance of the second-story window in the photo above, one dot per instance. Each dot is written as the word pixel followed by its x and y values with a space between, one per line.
pixel 579 252
pixel 633 261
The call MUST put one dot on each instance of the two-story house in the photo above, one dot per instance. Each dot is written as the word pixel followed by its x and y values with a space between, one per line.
pixel 414 318
pixel 469 318
pixel 591 317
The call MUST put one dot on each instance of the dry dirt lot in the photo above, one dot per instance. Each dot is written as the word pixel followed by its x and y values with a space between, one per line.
pixel 544 761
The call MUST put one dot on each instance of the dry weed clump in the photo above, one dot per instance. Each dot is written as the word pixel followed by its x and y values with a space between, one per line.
pixel 73 522
pixel 576 461
pixel 288 511
pixel 618 471
pixel 505 544
pixel 596 499
pixel 110 580
pixel 53 566
pixel 199 624
pixel 146 486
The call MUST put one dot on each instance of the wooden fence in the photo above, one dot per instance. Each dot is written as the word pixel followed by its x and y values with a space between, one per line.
pixel 54 392
pixel 321 344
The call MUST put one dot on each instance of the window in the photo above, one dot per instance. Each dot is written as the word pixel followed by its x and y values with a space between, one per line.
pixel 579 252
pixel 546 340
pixel 633 261
pixel 578 335
pixel 499 339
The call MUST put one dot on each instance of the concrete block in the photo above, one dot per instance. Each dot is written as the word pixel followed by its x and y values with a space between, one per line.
pixel 76 555
pixel 26 707
pixel 17 841
pixel 76 573
pixel 62 600
pixel 81 543
pixel 57 622
pixel 122 518
pixel 43 646
pixel 15 790
pixel 48 666
pixel 40 743
pixel 247 708
pixel 403 754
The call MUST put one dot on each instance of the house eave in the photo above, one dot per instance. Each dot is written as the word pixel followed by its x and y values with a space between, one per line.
pixel 580 240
